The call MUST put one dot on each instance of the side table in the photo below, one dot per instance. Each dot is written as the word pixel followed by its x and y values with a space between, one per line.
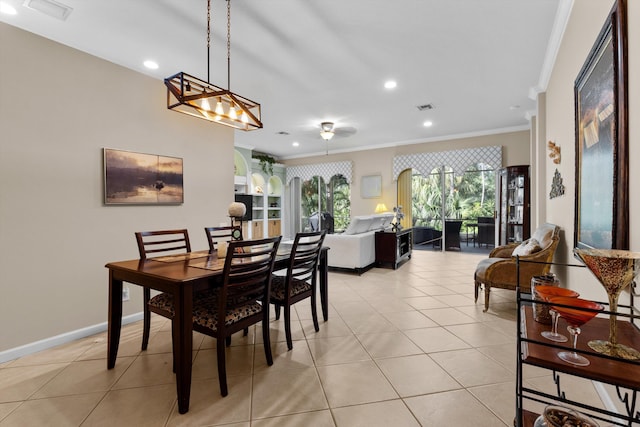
pixel 393 247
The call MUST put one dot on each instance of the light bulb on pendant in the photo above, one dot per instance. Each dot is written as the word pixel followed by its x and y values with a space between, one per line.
pixel 232 112
pixel 244 117
pixel 219 110
pixel 205 108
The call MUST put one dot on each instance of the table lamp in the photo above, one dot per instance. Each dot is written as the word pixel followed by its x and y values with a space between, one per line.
pixel 381 208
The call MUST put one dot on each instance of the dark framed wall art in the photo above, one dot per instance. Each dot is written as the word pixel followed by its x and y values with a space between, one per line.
pixel 142 179
pixel 602 164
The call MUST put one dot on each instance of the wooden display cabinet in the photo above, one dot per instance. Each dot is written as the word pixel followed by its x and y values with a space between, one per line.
pixel 513 205
pixel 535 350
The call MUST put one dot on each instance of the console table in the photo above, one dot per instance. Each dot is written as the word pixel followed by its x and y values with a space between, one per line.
pixel 393 247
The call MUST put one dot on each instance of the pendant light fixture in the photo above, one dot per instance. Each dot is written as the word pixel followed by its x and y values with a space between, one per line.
pixel 199 98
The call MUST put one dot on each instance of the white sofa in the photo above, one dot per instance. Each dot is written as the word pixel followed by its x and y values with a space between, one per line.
pixel 355 249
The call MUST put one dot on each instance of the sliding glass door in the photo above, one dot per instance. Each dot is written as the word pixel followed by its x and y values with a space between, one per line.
pixel 441 196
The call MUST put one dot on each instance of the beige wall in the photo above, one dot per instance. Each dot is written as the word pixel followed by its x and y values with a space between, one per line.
pixel 515 151
pixel 58 108
pixel 587 18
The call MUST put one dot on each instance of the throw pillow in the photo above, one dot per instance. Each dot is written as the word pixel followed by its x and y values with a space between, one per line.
pixel 543 234
pixel 528 247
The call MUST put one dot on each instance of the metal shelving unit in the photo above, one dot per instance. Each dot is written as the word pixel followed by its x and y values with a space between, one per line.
pixel 535 350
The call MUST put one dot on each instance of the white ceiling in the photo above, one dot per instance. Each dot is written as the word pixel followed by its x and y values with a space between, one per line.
pixel 308 61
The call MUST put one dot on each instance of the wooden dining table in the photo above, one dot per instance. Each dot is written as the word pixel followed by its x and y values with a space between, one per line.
pixel 181 275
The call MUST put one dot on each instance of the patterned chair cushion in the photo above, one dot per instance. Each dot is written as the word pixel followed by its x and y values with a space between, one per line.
pixel 205 313
pixel 277 287
pixel 164 301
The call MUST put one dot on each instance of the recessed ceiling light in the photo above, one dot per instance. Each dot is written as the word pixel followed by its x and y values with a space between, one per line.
pixel 514 107
pixel 295 143
pixel 7 9
pixel 152 65
pixel 428 123
pixel 390 84
pixel 50 7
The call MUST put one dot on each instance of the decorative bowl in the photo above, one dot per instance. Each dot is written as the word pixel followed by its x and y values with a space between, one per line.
pixel 560 416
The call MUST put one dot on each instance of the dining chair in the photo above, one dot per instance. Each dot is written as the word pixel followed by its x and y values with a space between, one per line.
pixel 222 234
pixel 156 243
pixel 242 300
pixel 299 282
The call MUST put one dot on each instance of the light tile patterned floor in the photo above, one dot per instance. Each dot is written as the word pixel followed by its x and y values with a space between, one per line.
pixel 405 348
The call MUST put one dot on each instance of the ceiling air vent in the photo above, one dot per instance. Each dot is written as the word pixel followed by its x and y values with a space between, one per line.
pixel 425 107
pixel 49 7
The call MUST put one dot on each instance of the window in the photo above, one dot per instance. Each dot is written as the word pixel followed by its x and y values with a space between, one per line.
pixel 466 197
pixel 325 206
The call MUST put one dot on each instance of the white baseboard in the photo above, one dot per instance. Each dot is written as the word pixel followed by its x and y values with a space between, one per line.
pixel 605 397
pixel 34 347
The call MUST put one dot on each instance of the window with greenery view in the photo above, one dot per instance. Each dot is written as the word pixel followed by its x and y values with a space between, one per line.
pixel 318 197
pixel 465 197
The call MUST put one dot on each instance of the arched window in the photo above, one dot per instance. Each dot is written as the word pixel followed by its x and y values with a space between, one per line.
pixel 323 190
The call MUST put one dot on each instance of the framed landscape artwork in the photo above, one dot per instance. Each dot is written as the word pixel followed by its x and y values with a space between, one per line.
pixel 602 166
pixel 142 179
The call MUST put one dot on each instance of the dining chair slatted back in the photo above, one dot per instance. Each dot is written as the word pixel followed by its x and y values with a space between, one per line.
pixel 163 242
pixel 157 243
pixel 299 283
pixel 222 234
pixel 243 299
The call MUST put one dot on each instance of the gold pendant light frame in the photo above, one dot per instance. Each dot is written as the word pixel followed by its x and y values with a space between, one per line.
pixel 190 95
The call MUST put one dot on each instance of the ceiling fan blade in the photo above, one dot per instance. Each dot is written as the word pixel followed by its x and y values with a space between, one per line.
pixel 345 131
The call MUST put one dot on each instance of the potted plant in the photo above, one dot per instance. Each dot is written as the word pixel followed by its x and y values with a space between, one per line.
pixel 266 162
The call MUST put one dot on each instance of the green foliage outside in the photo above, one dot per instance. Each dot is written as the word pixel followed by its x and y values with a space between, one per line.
pixel 341 196
pixel 336 200
pixel 466 197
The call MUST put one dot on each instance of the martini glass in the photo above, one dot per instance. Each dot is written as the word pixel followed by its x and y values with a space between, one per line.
pixel 615 269
pixel 547 292
pixel 576 316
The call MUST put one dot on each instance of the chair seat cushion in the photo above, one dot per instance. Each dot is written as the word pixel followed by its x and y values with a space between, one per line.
pixel 164 301
pixel 278 287
pixel 205 313
pixel 483 265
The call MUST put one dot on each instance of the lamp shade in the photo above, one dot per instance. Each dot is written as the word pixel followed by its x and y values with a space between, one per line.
pixel 237 210
pixel 381 207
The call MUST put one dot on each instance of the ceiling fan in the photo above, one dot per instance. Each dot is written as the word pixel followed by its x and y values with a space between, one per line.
pixel 328 131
